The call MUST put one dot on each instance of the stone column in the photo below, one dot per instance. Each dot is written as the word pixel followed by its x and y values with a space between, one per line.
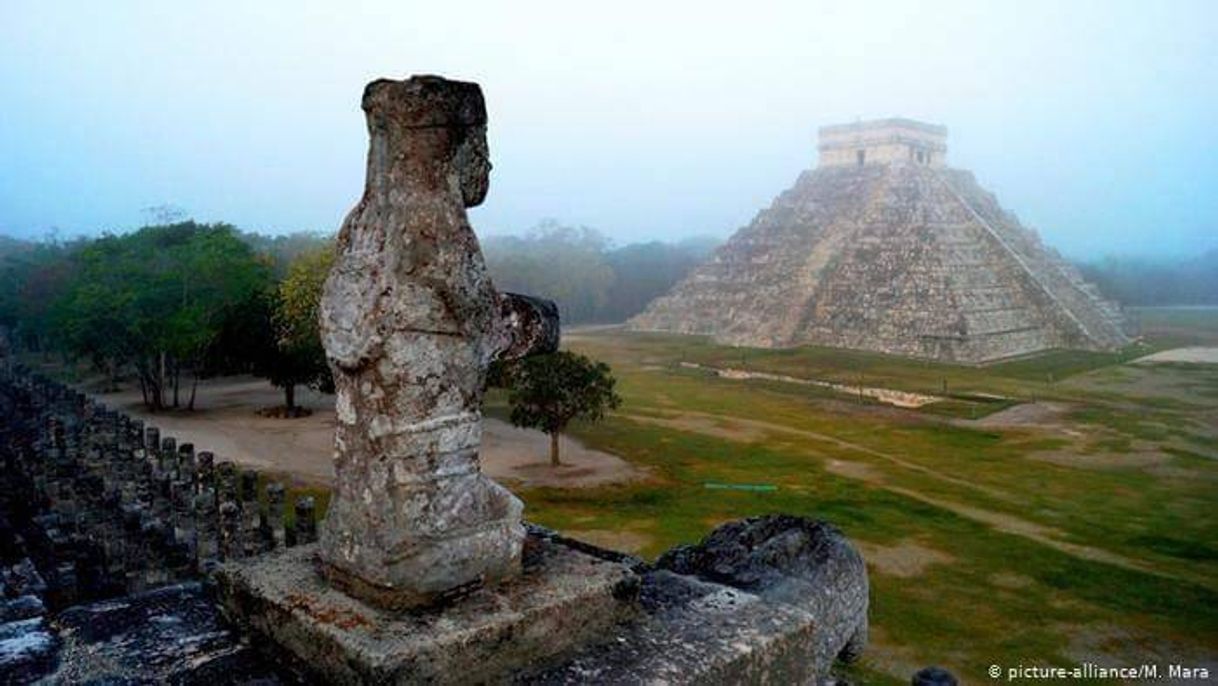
pixel 251 519
pixel 152 443
pixel 276 535
pixel 186 463
pixel 410 322
pixel 231 545
pixel 305 527
pixel 206 470
pixel 207 549
pixel 168 457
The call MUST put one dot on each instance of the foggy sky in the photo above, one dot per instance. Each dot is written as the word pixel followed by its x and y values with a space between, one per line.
pixel 1093 121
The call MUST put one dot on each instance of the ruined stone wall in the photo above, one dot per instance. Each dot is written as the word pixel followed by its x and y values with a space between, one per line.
pixel 900 152
pixel 94 504
pixel 885 141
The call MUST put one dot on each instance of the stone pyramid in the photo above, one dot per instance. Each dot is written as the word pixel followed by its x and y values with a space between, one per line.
pixel 884 248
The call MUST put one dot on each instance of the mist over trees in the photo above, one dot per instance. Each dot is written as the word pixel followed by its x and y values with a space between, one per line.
pixel 1141 281
pixel 170 304
pixel 173 303
pixel 592 281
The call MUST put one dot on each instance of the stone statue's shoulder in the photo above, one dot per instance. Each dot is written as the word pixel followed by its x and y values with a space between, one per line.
pixel 350 330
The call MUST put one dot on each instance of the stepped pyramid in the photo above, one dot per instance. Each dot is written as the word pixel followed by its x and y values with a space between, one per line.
pixel 884 248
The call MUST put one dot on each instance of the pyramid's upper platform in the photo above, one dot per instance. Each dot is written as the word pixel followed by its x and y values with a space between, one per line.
pixel 883 141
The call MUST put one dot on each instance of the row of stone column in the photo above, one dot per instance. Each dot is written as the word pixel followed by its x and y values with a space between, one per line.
pixel 107 505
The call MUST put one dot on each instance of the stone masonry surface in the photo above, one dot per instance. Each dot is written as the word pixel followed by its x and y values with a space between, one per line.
pixel 899 258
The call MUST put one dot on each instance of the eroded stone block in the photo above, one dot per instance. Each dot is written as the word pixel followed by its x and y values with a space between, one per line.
pixel 563 599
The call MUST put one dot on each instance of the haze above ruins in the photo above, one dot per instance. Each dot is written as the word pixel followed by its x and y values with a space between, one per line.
pixel 1091 120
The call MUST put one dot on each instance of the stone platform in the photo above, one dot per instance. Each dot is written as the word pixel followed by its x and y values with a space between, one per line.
pixel 768 600
pixel 565 600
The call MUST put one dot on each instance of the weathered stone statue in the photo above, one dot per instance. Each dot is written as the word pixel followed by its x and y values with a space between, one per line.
pixel 410 322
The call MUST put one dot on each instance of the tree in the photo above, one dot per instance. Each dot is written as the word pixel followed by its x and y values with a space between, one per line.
pixel 33 278
pixel 548 391
pixel 300 358
pixel 215 271
pixel 157 298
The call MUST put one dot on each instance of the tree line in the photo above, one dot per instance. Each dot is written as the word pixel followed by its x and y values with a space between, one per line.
pixel 174 303
pixel 171 304
pixel 593 281
pixel 1143 281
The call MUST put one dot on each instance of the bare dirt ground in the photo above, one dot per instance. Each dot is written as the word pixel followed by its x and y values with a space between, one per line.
pixel 1140 459
pixel 906 559
pixel 1042 414
pixel 885 395
pixel 999 521
pixel 226 422
pixel 1109 645
pixel 1051 418
pixel 625 541
pixel 1197 355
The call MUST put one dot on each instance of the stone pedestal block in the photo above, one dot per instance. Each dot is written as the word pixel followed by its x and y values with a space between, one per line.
pixel 563 601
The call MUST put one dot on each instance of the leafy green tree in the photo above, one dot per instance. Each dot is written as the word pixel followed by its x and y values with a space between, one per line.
pixel 211 270
pixel 158 299
pixel 299 357
pixel 33 278
pixel 548 391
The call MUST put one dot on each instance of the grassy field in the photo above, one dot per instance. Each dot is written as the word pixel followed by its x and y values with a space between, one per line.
pixel 1077 525
pixel 1053 510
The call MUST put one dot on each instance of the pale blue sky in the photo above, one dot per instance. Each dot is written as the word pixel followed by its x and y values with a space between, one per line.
pixel 1094 121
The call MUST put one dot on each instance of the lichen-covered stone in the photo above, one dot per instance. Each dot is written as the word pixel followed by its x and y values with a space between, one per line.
pixel 933 676
pixel 563 601
pixel 410 323
pixel 172 634
pixel 792 560
pixel 767 600
pixel 28 650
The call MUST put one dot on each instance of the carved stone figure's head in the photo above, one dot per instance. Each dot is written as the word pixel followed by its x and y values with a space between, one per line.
pixel 473 162
pixel 444 121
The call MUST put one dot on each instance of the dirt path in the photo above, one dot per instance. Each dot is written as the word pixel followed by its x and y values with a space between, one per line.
pixel 1035 414
pixel 1035 532
pixel 906 559
pixel 1194 355
pixel 226 422
pixel 720 426
pixel 697 421
pixel 888 396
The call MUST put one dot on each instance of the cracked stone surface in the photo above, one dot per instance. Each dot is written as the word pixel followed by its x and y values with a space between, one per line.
pixel 410 322
pixel 563 600
pixel 773 599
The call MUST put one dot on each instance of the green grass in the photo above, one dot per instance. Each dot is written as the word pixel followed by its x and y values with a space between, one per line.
pixel 1117 490
pixel 1099 520
pixel 923 615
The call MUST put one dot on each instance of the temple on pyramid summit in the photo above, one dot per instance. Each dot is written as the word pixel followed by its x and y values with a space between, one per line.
pixel 883 247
